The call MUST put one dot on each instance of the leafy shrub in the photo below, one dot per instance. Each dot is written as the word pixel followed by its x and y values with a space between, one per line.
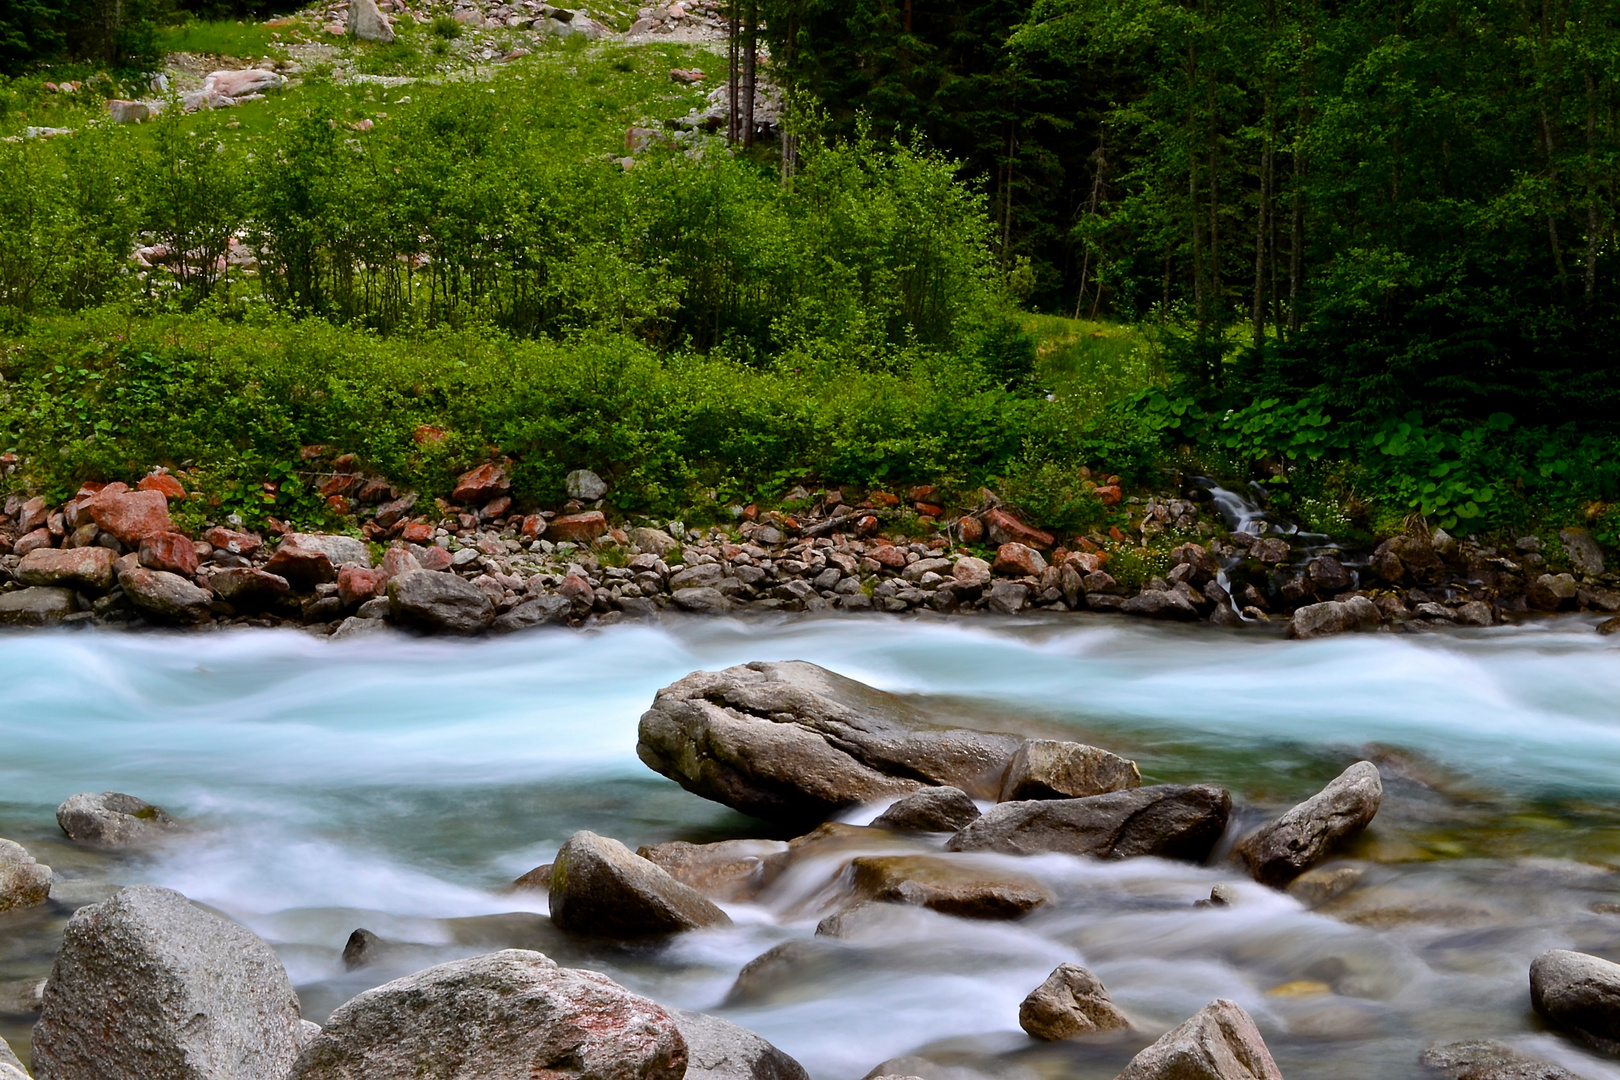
pixel 446 27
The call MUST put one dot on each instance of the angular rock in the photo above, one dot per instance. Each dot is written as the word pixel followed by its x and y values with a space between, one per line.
pixel 367 22
pixel 703 600
pixel 10 1067
pixel 508 1015
pixel 1328 575
pixel 37 606
pixel 1585 557
pixel 948 886
pixel 245 588
pixel 1071 1002
pixel 1549 592
pixel 121 111
pixel 171 488
pixel 1166 820
pixel 1019 560
pixel 112 819
pixel 728 870
pixel 1160 604
pixel 24 881
pixel 577 528
pixel 796 742
pixel 720 1050
pixel 1008 597
pixel 1220 1042
pixel 168 596
pixel 970 573
pixel 357 584
pixel 482 484
pixel 237 543
pixel 87 569
pixel 585 486
pixel 1003 528
pixel 1050 769
pixel 438 602
pixel 339 550
pixel 656 541
pixel 599 888
pixel 933 809
pixel 173 552
pixel 240 83
pixel 545 610
pixel 1279 852
pixel 148 986
pixel 131 516
pixel 1578 994
pixel 302 568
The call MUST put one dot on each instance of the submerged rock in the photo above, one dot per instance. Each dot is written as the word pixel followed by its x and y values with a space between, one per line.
pixel 949 886
pixel 24 881
pixel 1219 1042
pixel 1166 820
pixel 796 742
pixel 1490 1061
pixel 512 1013
pixel 1050 769
pixel 1279 852
pixel 600 888
pixel 728 870
pixel 933 809
pixel 112 819
pixel 1071 1002
pixel 148 986
pixel 1579 994
pixel 720 1050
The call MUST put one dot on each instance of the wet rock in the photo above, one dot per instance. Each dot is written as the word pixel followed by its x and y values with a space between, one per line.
pixel 1585 557
pixel 1160 604
pixel 795 742
pixel 168 596
pixel 478 486
pixel 1328 575
pixel 585 486
pixel 948 886
pixel 37 606
pixel 363 949
pixel 131 516
pixel 933 809
pixel 1166 820
pixel 512 1013
pixel 599 888
pixel 1550 592
pixel 435 601
pixel 1071 1002
pixel 24 882
pixel 1008 597
pixel 728 870
pixel 1324 884
pixel 148 986
pixel 1490 1061
pixel 246 588
pixel 1220 1042
pixel 720 1050
pixel 1333 617
pixel 578 528
pixel 1606 627
pixel 548 610
pixel 1578 994
pixel 703 600
pixel 1050 769
pixel 112 819
pixel 1270 549
pixel 86 569
pixel 1305 835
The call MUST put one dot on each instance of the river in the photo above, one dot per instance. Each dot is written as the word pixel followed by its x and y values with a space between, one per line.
pixel 398 784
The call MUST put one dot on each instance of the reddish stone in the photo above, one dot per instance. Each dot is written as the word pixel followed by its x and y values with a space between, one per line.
pixel 481 484
pixel 417 532
pixel 497 507
pixel 56 524
pixel 1004 528
pixel 162 482
pixel 342 484
pixel 751 512
pixel 33 515
pixel 971 530
pixel 304 568
pixel 1110 494
pixel 237 543
pixel 313 452
pixel 33 541
pixel 882 498
pixel 1087 545
pixel 578 590
pixel 131 516
pixel 390 514
pixel 426 434
pixel 90 569
pixel 399 560
pixel 244 587
pixel 1085 562
pixel 579 528
pixel 357 584
pixel 619 536
pixel 888 555
pixel 344 463
pixel 1114 533
pixel 89 490
pixel 866 526
pixel 339 506
pixel 373 532
pixel 920 493
pixel 170 551
pixel 1019 560
pixel 928 509
pixel 534 527
pixel 433 558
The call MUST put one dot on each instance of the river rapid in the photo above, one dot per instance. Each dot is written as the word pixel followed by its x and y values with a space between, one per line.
pixel 400 784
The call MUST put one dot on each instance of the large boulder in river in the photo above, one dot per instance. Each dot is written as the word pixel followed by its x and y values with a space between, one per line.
pixel 24 881
pixel 509 1014
pixel 436 601
pixel 795 742
pixel 1072 1001
pixel 1166 820
pixel 1578 994
pixel 113 820
pixel 933 809
pixel 720 1050
pixel 148 986
pixel 600 888
pixel 1279 852
pixel 1219 1042
pixel 1050 769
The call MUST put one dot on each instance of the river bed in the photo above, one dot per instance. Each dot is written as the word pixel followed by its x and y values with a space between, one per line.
pixel 400 784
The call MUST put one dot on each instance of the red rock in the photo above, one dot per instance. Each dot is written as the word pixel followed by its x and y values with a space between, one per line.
pixel 162 482
pixel 339 506
pixel 33 515
pixel 170 551
pixel 920 493
pixel 390 514
pixel 751 512
pixel 481 484
pixel 497 507
pixel 304 568
pixel 971 530
pixel 417 532
pixel 433 558
pixel 888 555
pixel 577 590
pixel 427 434
pixel 342 484
pixel 866 526
pixel 1019 560
pixel 1085 562
pixel 131 516
pixel 399 560
pixel 56 525
pixel 237 543
pixel 244 587
pixel 1003 528
pixel 1110 494
pixel 882 498
pixel 928 509
pixel 1114 533
pixel 311 453
pixel 344 463
pixel 578 528
pixel 89 569
pixel 356 584
pixel 534 527
pixel 619 536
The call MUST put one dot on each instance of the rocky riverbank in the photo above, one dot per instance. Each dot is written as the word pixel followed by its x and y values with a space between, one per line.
pixel 114 556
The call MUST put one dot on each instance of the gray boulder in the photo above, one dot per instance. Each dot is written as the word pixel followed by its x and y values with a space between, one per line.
pixel 24 882
pixel 720 1050
pixel 933 809
pixel 440 602
pixel 600 888
pixel 112 819
pixel 1585 557
pixel 168 596
pixel 1333 617
pixel 148 986
pixel 1279 852
pixel 508 1014
pixel 1166 820
pixel 703 600
pixel 1219 1042
pixel 1049 769
pixel 339 550
pixel 1578 994
pixel 1160 604
pixel 37 606
pixel 367 22
pixel 585 485
pixel 1072 1001
pixel 548 610
pixel 795 742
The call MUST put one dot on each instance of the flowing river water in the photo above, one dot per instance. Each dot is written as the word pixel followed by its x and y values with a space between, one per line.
pixel 399 784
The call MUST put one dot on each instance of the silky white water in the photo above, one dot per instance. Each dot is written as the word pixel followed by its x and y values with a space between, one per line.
pixel 400 784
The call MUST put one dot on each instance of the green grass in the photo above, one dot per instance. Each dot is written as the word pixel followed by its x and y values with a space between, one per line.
pixel 226 38
pixel 1096 363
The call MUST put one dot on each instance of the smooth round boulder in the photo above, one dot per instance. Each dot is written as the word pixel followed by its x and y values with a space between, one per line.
pixel 24 881
pixel 112 819
pixel 508 1014
pixel 1071 1002
pixel 441 602
pixel 933 809
pixel 1578 994
pixel 720 1050
pixel 600 888
pixel 1278 853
